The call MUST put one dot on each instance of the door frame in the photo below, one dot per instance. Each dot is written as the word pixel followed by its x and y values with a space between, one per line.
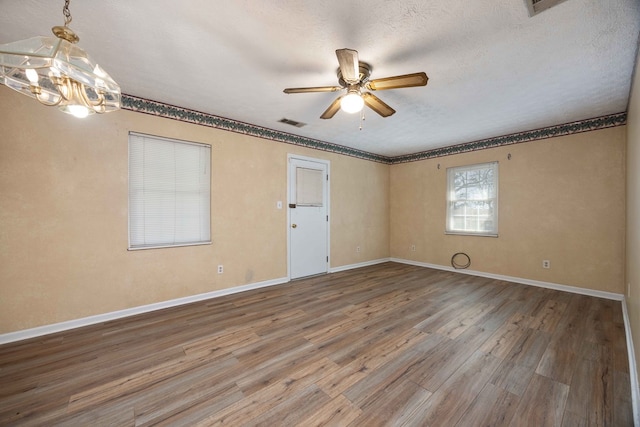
pixel 327 163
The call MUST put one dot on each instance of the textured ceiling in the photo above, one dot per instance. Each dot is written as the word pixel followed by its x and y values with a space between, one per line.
pixel 492 69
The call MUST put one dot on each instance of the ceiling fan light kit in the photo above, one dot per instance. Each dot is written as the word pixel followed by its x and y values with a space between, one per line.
pixel 352 102
pixel 56 72
pixel 353 77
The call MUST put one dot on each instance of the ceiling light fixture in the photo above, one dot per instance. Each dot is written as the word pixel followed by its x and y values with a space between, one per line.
pixel 56 72
pixel 352 102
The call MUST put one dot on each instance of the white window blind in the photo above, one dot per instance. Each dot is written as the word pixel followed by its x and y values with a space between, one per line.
pixel 472 199
pixel 169 192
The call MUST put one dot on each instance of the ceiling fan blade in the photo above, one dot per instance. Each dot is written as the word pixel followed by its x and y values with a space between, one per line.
pixel 395 82
pixel 332 110
pixel 377 105
pixel 349 65
pixel 312 89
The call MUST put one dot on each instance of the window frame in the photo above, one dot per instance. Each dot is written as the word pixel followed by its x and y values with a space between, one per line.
pixel 136 247
pixel 451 199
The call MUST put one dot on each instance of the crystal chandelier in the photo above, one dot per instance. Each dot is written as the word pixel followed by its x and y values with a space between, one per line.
pixel 56 72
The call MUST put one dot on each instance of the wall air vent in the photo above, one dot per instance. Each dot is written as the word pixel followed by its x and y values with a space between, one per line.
pixel 537 6
pixel 292 122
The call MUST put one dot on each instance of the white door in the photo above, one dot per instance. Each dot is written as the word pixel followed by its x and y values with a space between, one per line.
pixel 308 217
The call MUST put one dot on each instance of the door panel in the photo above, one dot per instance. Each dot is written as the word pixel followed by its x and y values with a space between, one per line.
pixel 308 221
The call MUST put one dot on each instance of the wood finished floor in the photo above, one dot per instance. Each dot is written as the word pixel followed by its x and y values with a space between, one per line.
pixel 385 345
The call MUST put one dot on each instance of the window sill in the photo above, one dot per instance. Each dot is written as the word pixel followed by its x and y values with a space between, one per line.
pixel 140 248
pixel 468 233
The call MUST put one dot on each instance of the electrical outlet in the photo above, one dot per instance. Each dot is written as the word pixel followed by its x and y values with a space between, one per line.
pixel 358 249
pixel 220 269
pixel 413 248
pixel 546 263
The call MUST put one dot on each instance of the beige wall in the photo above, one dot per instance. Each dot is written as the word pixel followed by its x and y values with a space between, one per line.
pixel 561 199
pixel 63 215
pixel 633 211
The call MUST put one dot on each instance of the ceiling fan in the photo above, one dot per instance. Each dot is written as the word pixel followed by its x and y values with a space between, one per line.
pixel 353 75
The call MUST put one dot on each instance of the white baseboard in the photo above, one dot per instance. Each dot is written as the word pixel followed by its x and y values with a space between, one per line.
pixel 540 284
pixel 92 320
pixel 105 317
pixel 633 370
pixel 358 265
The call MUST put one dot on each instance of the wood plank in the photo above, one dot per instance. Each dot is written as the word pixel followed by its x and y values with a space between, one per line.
pixel 294 410
pixel 529 349
pixel 542 404
pixel 547 319
pixel 253 406
pixel 558 360
pixel 455 327
pixel 220 344
pixel 512 377
pixel 506 336
pixel 447 405
pixel 378 379
pixel 493 407
pixel 107 415
pixel 197 411
pixel 391 404
pixel 620 353
pixel 574 420
pixel 622 403
pixel 338 412
pixel 439 364
pixel 591 393
pixel 255 379
pixel 186 403
pixel 519 364
pixel 386 349
pixel 144 379
pixel 342 379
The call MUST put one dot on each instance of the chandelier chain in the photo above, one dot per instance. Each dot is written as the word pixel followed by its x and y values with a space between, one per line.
pixel 66 13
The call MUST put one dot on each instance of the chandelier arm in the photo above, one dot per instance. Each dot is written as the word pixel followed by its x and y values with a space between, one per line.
pixel 37 91
pixel 64 88
pixel 98 104
pixel 49 104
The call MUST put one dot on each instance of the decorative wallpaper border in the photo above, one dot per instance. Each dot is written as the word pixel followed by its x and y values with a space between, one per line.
pixel 167 111
pixel 602 122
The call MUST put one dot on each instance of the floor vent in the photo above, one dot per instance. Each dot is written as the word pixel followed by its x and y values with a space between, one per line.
pixel 537 6
pixel 292 123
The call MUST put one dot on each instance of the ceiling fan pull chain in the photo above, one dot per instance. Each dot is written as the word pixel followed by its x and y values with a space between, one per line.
pixel 361 119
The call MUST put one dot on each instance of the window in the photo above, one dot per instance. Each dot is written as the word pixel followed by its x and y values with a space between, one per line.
pixel 309 188
pixel 472 200
pixel 169 192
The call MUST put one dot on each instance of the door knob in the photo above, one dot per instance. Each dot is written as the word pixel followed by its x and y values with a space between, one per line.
pixel 294 225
